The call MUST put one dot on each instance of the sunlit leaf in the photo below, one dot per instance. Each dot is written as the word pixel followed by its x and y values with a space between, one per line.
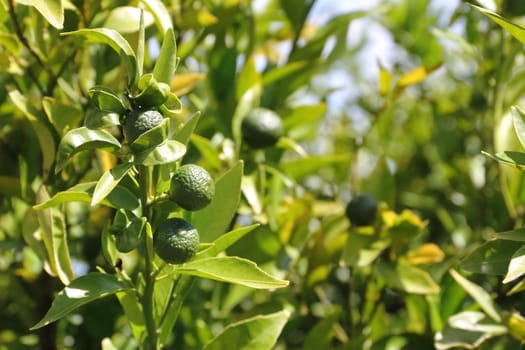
pixel 215 219
pixel 416 76
pixel 515 30
pixel 516 266
pixel 160 14
pixel 52 10
pixel 184 134
pixel 468 330
pixel 96 119
pixel 53 233
pixel 82 139
pixel 151 138
pixel 167 152
pixel 408 278
pixel 120 197
pixel 108 181
pixel 81 291
pixel 106 100
pixel 126 19
pixel 298 169
pixel 427 253
pixel 181 84
pixel 167 60
pixel 481 296
pixel 63 117
pixel 518 118
pixel 231 269
pixel 255 333
pixel 516 325
pixel 511 158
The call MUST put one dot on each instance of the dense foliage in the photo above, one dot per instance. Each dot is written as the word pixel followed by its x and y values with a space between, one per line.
pixel 361 199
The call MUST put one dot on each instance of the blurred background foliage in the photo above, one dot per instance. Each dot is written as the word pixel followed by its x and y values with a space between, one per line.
pixel 395 100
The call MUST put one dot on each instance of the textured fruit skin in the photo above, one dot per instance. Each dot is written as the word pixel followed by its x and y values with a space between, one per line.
pixel 176 241
pixel 361 210
pixel 139 121
pixel 191 187
pixel 261 128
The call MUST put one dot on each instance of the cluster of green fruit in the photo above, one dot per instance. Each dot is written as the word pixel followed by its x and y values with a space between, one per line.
pixel 191 186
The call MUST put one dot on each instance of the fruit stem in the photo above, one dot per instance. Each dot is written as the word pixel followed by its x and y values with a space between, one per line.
pixel 148 300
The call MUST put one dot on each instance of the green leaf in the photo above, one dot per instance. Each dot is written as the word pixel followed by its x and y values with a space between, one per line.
pixel 108 181
pixel 517 235
pixel 515 30
pixel 518 118
pixel 106 100
pixel 303 121
pixel 167 152
pixel 126 19
pixel 516 267
pixel 408 278
pixel 53 233
pixel 468 330
pixel 306 166
pixel 160 13
pixel 362 250
pixel 97 119
pixel 248 79
pixel 52 10
pixel 215 219
pixel 256 333
pixel 321 335
pixel 81 139
pixel 512 158
pixel 116 42
pixel 491 258
pixel 130 302
pixel 40 125
pixel 120 197
pixel 226 240
pixel 167 61
pixel 184 134
pixel 481 296
pixel 63 117
pixel 151 138
pixel 81 291
pixel 231 269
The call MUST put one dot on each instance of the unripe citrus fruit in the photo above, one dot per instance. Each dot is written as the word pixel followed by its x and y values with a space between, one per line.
pixel 362 210
pixel 261 128
pixel 139 121
pixel 176 241
pixel 192 187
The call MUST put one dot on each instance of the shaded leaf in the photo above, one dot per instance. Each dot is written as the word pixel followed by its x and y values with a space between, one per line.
pixel 81 291
pixel 82 139
pixel 96 119
pixel 408 278
pixel 256 333
pixel 215 219
pixel 184 134
pixel 116 42
pixel 106 99
pixel 63 117
pixel 226 240
pixel 491 258
pixel 151 138
pixel 231 269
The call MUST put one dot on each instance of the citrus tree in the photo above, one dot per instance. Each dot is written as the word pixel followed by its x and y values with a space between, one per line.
pixel 217 174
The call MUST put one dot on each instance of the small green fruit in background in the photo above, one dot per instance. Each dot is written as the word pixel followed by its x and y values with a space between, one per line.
pixel 261 128
pixel 139 121
pixel 362 210
pixel 176 241
pixel 192 187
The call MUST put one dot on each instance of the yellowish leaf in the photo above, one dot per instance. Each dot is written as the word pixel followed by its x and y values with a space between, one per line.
pixel 427 253
pixel 181 84
pixel 385 81
pixel 516 324
pixel 415 76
